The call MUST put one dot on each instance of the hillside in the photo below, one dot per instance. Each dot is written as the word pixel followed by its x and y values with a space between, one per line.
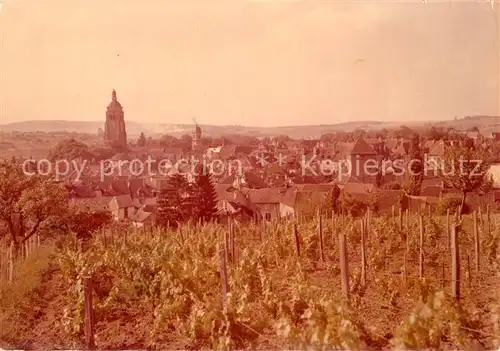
pixel 484 123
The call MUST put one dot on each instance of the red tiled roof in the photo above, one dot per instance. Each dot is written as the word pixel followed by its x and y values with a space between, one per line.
pixel 437 149
pixel 361 147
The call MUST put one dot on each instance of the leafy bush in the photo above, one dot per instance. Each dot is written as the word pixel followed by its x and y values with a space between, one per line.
pixel 451 203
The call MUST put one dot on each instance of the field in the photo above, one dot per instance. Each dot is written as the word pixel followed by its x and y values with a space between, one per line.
pixel 158 289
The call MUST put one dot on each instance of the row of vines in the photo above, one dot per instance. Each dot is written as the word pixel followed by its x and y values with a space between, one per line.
pixel 166 288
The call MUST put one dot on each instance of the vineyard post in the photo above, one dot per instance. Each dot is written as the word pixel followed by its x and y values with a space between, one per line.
pixel 296 237
pixel 263 230
pixel 488 218
pixel 181 234
pixel 455 262
pixel 38 240
pixel 476 242
pixel 421 259
pixel 233 248
pixel 334 222
pixel 469 276
pixel 407 219
pixel 363 257
pixel 443 277
pixel 89 313
pixel 480 215
pixel 226 246
pixel 11 262
pixel 429 209
pixel 393 214
pixel 223 273
pixel 407 229
pixel 400 219
pixel 320 234
pixel 405 270
pixel 344 264
pixel 448 228
pixel 368 222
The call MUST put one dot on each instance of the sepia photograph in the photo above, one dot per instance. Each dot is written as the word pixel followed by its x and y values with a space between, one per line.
pixel 250 175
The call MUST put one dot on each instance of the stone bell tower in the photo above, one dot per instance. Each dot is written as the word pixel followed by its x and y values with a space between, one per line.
pixel 114 130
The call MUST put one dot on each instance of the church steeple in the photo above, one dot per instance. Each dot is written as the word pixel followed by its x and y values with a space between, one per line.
pixel 114 129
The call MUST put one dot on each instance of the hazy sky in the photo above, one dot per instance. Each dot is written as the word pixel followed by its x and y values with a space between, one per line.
pixel 250 63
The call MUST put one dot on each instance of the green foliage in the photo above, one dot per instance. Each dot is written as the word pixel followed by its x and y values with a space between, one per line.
pixel 356 205
pixel 28 203
pixel 206 198
pixel 416 166
pixel 432 322
pixel 69 150
pixel 171 201
pixel 16 298
pixel 451 203
pixel 102 153
pixel 83 222
pixel 465 167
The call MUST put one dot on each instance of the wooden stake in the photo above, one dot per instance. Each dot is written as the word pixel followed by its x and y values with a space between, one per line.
pixel 11 262
pixel 89 314
pixel 400 219
pixel 469 276
pixel 407 229
pixel 233 247
pixel 296 237
pixel 344 264
pixel 223 273
pixel 448 229
pixel 226 246
pixel 405 270
pixel 488 219
pixel 320 234
pixel 480 215
pixel 455 262
pixel 443 276
pixel 421 260
pixel 476 242
pixel 368 222
pixel 363 256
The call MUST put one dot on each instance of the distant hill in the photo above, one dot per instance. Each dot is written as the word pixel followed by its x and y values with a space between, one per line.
pixel 484 123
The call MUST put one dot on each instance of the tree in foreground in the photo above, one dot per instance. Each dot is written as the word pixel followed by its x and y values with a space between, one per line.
pixel 69 150
pixel 206 200
pixel 416 167
pixel 465 168
pixel 83 222
pixel 28 203
pixel 171 202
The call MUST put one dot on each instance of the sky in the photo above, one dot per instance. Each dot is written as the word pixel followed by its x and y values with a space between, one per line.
pixel 253 63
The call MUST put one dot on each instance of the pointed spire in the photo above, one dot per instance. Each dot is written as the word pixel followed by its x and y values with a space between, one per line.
pixel 113 95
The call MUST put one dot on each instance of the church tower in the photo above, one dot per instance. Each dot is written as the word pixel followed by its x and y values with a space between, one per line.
pixel 196 137
pixel 114 130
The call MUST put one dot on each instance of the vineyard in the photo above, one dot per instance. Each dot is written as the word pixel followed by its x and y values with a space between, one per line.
pixel 324 283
